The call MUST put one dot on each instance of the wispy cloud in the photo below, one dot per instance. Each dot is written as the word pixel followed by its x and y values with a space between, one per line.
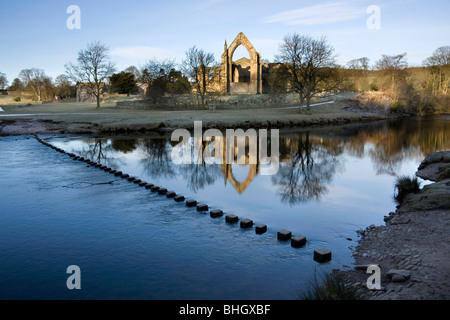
pixel 140 52
pixel 324 13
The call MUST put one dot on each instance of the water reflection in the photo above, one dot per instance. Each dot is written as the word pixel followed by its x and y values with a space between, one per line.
pixel 308 167
pixel 309 160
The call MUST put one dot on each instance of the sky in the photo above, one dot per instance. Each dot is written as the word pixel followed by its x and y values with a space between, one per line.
pixel 35 34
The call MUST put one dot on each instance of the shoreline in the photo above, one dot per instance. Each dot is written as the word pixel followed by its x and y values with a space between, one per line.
pixel 413 243
pixel 85 119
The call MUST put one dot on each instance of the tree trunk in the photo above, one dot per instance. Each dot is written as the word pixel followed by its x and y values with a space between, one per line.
pixel 308 101
pixel 301 101
pixel 98 101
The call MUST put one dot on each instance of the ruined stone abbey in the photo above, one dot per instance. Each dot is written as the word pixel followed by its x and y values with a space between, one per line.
pixel 243 76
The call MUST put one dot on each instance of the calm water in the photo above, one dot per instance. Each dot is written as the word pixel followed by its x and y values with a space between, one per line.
pixel 131 243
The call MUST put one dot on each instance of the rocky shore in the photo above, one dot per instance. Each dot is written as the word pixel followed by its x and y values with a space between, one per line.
pixel 412 249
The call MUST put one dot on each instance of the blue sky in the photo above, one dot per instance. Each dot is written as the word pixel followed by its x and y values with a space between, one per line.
pixel 35 34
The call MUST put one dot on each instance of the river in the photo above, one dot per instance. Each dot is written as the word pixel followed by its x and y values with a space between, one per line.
pixel 131 243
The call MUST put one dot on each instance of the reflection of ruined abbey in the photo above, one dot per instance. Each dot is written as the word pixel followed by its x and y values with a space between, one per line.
pixel 243 76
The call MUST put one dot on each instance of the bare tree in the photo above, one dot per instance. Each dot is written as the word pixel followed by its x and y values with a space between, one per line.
pixel 307 63
pixel 155 74
pixel 3 81
pixel 34 80
pixel 393 66
pixel 359 64
pixel 197 66
pixel 439 65
pixel 92 70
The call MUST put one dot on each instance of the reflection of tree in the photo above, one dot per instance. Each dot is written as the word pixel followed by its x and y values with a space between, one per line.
pixel 124 145
pixel 310 169
pixel 158 161
pixel 393 142
pixel 99 150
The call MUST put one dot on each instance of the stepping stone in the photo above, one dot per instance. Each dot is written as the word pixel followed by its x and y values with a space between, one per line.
pixel 142 183
pixel 246 223
pixel 118 173
pixel 125 176
pixel 404 273
pixel 137 181
pixel 216 213
pixel 202 207
pixel 298 241
pixel 154 188
pixel 231 218
pixel 262 228
pixel 162 191
pixel 322 255
pixel 98 165
pixel 149 186
pixel 191 203
pixel 179 198
pixel 284 235
pixel 131 178
pixel 170 194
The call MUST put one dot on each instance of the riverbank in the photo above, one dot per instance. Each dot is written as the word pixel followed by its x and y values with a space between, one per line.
pixel 76 118
pixel 414 241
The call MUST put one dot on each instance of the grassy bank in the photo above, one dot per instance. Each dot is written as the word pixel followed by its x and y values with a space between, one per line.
pixel 85 118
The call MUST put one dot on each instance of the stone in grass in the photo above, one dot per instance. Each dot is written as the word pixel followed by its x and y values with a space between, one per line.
pixel 246 223
pixel 170 194
pixel 284 235
pixel 216 213
pixel 202 207
pixel 298 241
pixel 322 255
pixel 191 203
pixel 262 228
pixel 231 218
pixel 179 198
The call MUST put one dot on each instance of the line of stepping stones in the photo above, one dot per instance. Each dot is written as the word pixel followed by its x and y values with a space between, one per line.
pixel 321 255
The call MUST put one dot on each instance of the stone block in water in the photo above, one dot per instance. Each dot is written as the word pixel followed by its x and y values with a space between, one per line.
pixel 231 218
pixel 298 241
pixel 262 228
pixel 191 203
pixel 170 194
pixel 246 223
pixel 284 235
pixel 322 255
pixel 202 207
pixel 216 213
pixel 162 191
pixel 179 198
